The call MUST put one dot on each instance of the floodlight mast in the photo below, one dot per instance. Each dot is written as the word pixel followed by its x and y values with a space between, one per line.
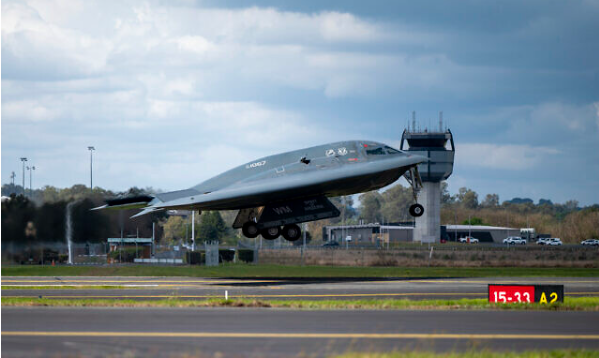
pixel 23 160
pixel 31 169
pixel 91 167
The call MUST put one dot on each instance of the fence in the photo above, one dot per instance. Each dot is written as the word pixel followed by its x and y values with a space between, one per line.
pixel 437 256
pixel 409 255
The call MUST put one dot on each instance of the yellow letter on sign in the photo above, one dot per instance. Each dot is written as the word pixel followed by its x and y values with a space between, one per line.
pixel 543 298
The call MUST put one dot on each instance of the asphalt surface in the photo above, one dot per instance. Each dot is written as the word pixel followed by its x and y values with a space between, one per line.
pixel 147 288
pixel 263 332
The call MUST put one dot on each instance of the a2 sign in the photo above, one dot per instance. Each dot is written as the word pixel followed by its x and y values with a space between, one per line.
pixel 543 294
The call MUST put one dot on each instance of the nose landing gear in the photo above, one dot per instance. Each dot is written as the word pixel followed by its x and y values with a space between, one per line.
pixel 416 210
pixel 413 178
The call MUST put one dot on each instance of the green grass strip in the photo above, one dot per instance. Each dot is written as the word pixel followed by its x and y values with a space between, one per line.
pixel 279 271
pixel 480 354
pixel 570 304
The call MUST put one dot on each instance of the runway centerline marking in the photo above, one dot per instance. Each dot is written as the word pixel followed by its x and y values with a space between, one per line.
pixel 324 335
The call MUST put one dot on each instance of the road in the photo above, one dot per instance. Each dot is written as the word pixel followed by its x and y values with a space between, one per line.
pixel 144 288
pixel 263 332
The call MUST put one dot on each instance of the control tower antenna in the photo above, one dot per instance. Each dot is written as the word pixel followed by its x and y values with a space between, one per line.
pixel 413 121
pixel 441 121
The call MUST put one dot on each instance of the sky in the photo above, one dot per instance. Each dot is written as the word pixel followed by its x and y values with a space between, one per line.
pixel 171 93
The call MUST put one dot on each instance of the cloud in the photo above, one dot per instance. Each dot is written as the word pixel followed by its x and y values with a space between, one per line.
pixel 35 49
pixel 507 157
pixel 181 91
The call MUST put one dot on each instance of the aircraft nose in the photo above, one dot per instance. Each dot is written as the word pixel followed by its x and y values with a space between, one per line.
pixel 414 158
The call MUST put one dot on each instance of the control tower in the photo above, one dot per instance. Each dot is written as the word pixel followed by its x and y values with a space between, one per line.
pixel 433 145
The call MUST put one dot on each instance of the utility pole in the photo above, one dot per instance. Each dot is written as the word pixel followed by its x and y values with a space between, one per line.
pixel 23 160
pixel 469 228
pixel 12 178
pixel 91 167
pixel 193 227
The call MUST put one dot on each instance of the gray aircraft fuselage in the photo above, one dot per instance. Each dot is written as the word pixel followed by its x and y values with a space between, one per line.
pixel 334 169
pixel 275 193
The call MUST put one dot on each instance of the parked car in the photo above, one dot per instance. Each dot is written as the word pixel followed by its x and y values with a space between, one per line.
pixel 555 241
pixel 468 239
pixel 514 240
pixel 331 244
pixel 590 242
pixel 542 241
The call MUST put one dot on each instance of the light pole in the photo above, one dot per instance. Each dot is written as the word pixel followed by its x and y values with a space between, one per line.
pixel 23 160
pixel 91 166
pixel 31 169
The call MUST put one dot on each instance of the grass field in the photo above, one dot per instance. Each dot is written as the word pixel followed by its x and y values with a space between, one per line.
pixel 277 271
pixel 570 304
pixel 479 354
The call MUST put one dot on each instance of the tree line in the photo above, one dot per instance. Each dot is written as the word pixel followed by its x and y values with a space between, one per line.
pixel 41 215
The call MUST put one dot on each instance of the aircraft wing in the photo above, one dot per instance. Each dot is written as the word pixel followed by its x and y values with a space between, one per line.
pixel 255 193
pixel 260 192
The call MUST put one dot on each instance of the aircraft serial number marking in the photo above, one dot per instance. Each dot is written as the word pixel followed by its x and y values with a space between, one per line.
pixel 255 165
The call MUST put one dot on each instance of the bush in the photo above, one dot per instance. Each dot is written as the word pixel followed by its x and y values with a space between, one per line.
pixel 196 257
pixel 245 255
pixel 226 255
pixel 127 254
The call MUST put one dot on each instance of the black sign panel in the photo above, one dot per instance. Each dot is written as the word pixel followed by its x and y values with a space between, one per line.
pixel 549 293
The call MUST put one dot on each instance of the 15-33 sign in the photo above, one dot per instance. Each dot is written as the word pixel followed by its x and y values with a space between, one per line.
pixel 544 294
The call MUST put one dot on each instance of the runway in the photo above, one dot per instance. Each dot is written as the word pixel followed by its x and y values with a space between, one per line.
pixel 148 288
pixel 256 332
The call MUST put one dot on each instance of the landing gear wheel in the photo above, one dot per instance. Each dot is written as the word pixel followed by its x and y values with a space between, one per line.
pixel 292 232
pixel 416 210
pixel 250 230
pixel 271 233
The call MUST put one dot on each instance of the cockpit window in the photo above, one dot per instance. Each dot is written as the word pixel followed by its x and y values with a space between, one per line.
pixel 375 151
pixel 391 150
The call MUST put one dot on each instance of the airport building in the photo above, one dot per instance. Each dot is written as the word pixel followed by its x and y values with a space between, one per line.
pixel 377 233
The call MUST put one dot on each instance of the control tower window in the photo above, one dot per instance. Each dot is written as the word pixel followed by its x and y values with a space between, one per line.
pixel 391 150
pixel 375 151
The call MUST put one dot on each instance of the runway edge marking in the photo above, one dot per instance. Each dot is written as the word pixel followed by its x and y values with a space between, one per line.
pixel 300 335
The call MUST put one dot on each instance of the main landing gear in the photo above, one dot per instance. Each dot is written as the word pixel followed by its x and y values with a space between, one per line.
pixel 290 232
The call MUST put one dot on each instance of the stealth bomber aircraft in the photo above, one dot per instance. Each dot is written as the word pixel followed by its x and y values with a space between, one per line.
pixel 275 193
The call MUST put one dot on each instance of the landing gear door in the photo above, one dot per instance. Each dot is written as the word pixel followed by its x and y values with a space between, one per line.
pixel 245 215
pixel 297 211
